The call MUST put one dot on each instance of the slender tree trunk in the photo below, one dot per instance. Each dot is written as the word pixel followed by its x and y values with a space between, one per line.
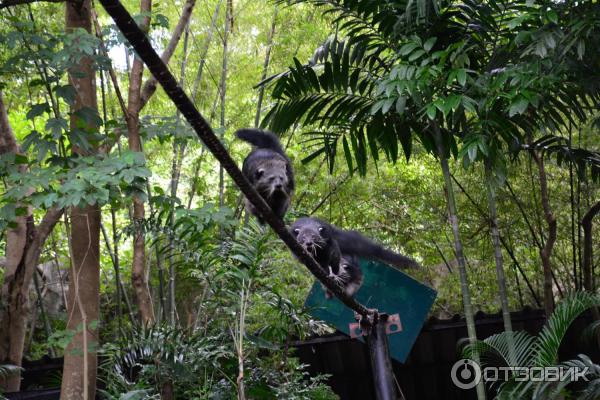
pixel 222 91
pixel 546 250
pixel 24 244
pixel 500 275
pixel 83 302
pixel 138 97
pixel 502 241
pixel 138 266
pixel 178 153
pixel 586 224
pixel 458 247
pixel 209 36
pixel 574 243
pixel 261 90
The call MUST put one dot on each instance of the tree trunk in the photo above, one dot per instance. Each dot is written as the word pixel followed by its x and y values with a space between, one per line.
pixel 24 244
pixel 586 224
pixel 209 36
pixel 222 91
pixel 500 276
pixel 83 303
pixel 178 154
pixel 546 250
pixel 261 90
pixel 458 247
pixel 138 266
pixel 137 98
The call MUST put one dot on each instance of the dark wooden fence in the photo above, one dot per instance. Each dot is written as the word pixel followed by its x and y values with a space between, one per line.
pixel 425 375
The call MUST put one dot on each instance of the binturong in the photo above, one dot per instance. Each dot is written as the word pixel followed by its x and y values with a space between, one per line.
pixel 269 170
pixel 337 251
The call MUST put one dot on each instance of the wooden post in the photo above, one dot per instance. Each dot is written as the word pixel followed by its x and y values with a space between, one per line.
pixel 381 363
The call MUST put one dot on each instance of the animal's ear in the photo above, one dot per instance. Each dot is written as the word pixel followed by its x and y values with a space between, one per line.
pixel 259 173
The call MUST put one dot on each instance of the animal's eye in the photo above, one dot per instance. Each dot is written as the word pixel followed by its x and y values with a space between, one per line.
pixel 320 229
pixel 260 173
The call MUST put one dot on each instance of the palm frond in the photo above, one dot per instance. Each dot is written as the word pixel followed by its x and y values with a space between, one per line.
pixel 495 350
pixel 553 332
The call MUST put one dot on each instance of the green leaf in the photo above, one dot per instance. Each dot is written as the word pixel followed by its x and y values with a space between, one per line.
pixel 552 16
pixel 407 48
pixel 518 107
pixel 461 76
pixel 67 92
pixel 580 49
pixel 387 104
pixel 348 155
pixel 431 111
pixel 56 126
pixel 429 43
pixel 38 110
pixel 401 105
pixel 416 55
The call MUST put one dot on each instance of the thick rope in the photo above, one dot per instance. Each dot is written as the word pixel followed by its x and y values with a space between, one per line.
pixel 157 67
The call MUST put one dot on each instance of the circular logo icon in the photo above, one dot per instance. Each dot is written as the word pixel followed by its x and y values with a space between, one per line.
pixel 465 374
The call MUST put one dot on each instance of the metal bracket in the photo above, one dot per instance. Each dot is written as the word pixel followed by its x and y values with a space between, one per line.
pixel 392 325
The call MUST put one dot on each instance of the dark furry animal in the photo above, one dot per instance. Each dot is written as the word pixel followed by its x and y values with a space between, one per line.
pixel 352 242
pixel 317 237
pixel 269 170
pixel 337 251
pixel 349 275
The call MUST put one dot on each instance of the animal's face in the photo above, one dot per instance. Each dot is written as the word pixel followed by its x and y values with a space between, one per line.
pixel 311 234
pixel 271 177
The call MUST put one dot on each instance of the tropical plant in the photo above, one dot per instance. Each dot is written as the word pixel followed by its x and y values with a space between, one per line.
pixel 162 360
pixel 540 351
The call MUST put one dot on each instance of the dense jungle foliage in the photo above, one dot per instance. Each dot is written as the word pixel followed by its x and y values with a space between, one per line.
pixel 461 134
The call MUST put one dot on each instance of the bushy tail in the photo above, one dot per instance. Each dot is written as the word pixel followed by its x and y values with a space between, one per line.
pixel 261 139
pixel 352 242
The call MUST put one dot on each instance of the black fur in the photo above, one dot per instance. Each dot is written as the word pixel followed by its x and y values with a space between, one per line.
pixel 349 275
pixel 316 236
pixel 337 251
pixel 269 170
pixel 352 242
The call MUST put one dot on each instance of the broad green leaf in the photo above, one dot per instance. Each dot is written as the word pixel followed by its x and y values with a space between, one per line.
pixel 461 76
pixel 518 107
pixel 407 48
pixel 429 43
pixel 38 110
pixel 431 111
pixel 401 105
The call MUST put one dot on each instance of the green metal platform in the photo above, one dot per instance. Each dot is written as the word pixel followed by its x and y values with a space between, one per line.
pixel 388 290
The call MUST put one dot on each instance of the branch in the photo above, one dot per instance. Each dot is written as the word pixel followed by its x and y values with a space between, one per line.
pixel 586 224
pixel 158 68
pixel 11 3
pixel 8 144
pixel 42 231
pixel 151 84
